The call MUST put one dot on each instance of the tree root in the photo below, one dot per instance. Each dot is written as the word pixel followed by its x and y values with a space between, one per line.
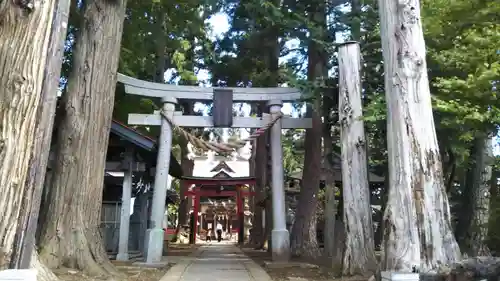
pixel 477 268
pixel 82 251
pixel 472 269
pixel 43 272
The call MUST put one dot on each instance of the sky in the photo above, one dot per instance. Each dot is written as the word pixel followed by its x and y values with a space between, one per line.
pixel 220 24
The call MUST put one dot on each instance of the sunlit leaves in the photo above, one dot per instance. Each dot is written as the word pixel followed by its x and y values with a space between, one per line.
pixel 462 41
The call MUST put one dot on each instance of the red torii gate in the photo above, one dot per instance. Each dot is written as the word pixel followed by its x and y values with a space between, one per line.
pixel 197 192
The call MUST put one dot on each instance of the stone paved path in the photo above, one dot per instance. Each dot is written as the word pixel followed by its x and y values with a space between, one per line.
pixel 217 262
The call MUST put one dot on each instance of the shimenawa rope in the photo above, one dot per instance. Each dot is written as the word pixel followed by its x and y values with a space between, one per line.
pixel 220 147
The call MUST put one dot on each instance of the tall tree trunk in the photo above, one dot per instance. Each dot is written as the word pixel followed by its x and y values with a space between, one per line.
pixel 187 166
pixel 359 252
pixel 253 240
pixel 378 236
pixel 70 233
pixel 38 163
pixel 261 175
pixel 417 226
pixel 27 108
pixel 330 102
pixel 268 218
pixel 355 18
pixel 22 99
pixel 451 173
pixel 472 228
pixel 271 56
pixel 303 237
pixel 330 189
pixel 161 43
pixel 493 230
pixel 494 192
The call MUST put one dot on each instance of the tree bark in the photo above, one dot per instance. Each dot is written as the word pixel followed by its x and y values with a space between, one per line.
pixel 417 230
pixel 269 223
pixel 378 236
pixel 495 174
pixel 26 115
pixel 43 272
pixel 253 202
pixel 261 176
pixel 329 230
pixel 70 233
pixel 187 166
pixel 472 228
pixel 303 238
pixel 359 252
pixel 39 161
pixel 452 173
pixel 355 24
pixel 330 213
pixel 270 53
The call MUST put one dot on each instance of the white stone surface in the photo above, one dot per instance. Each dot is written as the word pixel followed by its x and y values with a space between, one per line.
pixel 18 274
pixel 399 276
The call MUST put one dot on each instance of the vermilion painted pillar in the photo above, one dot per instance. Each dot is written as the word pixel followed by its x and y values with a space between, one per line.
pixel 184 194
pixel 241 223
pixel 196 203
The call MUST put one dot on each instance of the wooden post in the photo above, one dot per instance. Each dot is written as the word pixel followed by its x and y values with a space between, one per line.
pixel 280 238
pixel 156 233
pixel 359 255
pixel 143 215
pixel 196 203
pixel 125 208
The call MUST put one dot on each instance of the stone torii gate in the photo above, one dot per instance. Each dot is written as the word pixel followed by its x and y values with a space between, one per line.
pixel 223 99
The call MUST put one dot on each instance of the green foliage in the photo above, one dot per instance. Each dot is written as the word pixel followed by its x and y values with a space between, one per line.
pixel 293 151
pixel 462 38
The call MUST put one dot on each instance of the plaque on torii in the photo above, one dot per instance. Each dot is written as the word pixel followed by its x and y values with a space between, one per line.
pixel 223 108
pixel 223 99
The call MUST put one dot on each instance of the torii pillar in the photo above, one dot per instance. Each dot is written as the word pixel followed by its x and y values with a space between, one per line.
pixel 155 235
pixel 280 238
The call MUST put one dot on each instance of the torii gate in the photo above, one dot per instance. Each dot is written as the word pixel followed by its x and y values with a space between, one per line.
pixel 223 101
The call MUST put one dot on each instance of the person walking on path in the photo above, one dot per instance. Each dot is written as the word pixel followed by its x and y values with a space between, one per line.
pixel 209 235
pixel 219 231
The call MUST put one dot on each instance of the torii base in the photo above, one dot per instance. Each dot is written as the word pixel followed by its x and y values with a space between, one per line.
pixel 154 245
pixel 280 243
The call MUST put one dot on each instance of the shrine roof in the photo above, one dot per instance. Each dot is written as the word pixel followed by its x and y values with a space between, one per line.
pixel 145 142
pixel 234 180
